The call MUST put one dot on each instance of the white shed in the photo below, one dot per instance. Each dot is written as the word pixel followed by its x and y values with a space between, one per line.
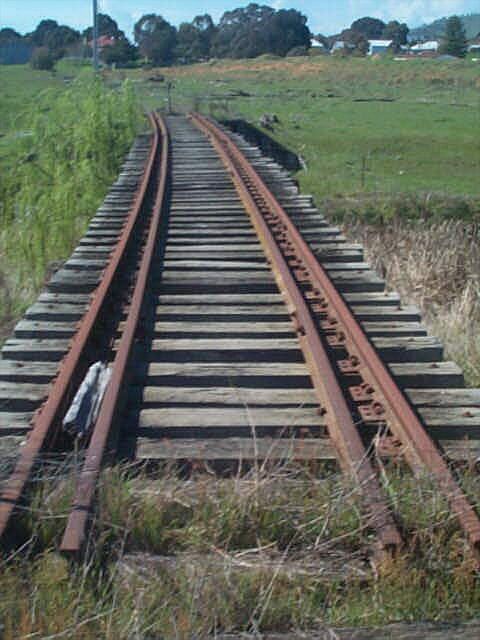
pixel 379 46
pixel 422 47
pixel 315 44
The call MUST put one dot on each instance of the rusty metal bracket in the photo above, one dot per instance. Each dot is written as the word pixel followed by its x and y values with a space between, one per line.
pixel 420 450
pixel 343 432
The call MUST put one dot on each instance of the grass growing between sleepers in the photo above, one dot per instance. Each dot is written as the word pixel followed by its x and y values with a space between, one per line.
pixel 278 550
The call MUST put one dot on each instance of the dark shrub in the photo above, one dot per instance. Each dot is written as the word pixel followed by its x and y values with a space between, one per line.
pixel 298 51
pixel 43 59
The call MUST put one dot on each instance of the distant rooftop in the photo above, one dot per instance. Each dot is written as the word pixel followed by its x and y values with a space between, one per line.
pixel 431 45
pixel 379 46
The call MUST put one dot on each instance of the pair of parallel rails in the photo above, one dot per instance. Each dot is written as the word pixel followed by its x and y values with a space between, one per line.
pixel 236 280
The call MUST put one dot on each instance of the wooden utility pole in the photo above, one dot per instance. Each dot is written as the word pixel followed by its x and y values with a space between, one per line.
pixel 95 35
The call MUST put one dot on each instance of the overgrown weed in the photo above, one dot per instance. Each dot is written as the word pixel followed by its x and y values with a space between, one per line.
pixel 435 265
pixel 177 557
pixel 56 178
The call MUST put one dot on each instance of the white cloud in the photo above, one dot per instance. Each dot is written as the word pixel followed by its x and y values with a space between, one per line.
pixel 413 12
pixel 416 12
pixel 331 17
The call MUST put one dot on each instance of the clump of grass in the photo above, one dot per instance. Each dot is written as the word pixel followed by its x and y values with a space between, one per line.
pixel 59 171
pixel 233 554
pixel 285 511
pixel 46 596
pixel 82 603
pixel 7 306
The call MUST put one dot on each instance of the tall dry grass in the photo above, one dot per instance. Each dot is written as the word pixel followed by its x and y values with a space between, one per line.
pixel 271 550
pixel 437 267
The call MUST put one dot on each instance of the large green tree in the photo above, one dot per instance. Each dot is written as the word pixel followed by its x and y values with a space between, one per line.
pixel 120 53
pixel 286 30
pixel 156 39
pixel 371 28
pixel 44 30
pixel 60 38
pixel 194 39
pixel 356 42
pixel 241 32
pixel 455 41
pixel 107 26
pixel 397 32
pixel 250 31
pixel 53 37
pixel 14 49
pixel 8 35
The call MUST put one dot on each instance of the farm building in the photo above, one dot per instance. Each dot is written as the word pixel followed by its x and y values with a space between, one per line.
pixel 315 44
pixel 378 47
pixel 103 41
pixel 474 46
pixel 341 45
pixel 425 47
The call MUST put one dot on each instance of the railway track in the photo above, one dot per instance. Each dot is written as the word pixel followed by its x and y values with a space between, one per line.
pixel 239 325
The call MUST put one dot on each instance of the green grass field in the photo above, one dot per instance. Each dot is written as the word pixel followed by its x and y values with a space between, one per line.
pixel 361 125
pixel 20 85
pixel 333 112
pixel 20 88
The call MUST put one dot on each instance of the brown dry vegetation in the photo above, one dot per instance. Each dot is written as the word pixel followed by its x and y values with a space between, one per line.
pixel 437 267
pixel 348 71
pixel 275 550
pixel 264 63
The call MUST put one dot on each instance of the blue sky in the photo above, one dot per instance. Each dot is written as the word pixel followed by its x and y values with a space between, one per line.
pixel 325 16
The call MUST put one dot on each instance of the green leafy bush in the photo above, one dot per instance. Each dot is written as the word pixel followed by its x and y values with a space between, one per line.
pixel 63 165
pixel 43 59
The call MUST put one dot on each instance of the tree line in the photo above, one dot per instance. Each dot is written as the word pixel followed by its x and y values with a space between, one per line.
pixel 246 32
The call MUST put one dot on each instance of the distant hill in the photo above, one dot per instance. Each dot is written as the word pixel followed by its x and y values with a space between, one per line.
pixel 436 29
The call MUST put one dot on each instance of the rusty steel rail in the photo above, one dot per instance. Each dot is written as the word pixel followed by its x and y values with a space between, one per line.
pixel 48 417
pixel 75 531
pixel 379 395
pixel 351 451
